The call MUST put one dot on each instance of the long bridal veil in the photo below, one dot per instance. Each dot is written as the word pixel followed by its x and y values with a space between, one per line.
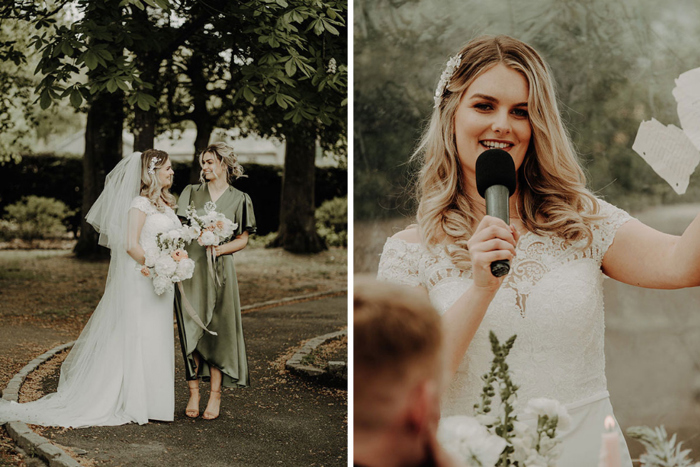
pixel 102 379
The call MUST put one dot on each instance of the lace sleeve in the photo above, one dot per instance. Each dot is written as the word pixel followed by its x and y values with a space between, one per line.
pixel 399 263
pixel 143 205
pixel 604 230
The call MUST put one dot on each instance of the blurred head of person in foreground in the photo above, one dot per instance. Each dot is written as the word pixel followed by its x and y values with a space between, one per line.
pixel 397 377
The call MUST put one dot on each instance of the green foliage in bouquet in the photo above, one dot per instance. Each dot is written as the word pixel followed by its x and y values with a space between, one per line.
pixel 36 217
pixel 661 452
pixel 498 377
pixel 524 445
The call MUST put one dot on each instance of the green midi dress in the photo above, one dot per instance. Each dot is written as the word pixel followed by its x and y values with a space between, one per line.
pixel 218 306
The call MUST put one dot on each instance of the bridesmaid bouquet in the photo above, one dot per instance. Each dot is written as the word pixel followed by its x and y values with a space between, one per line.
pixel 169 262
pixel 212 229
pixel 495 438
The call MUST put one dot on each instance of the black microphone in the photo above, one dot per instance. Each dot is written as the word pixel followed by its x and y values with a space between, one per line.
pixel 495 181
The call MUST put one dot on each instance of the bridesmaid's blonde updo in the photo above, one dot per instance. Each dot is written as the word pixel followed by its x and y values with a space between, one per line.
pixel 223 153
pixel 151 161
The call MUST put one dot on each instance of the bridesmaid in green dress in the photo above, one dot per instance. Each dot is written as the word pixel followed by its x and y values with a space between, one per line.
pixel 220 358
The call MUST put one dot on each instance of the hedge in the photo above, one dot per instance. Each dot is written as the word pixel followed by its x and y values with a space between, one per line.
pixel 60 177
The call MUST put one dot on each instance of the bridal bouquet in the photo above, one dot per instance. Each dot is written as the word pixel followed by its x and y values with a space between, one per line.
pixel 169 262
pixel 495 436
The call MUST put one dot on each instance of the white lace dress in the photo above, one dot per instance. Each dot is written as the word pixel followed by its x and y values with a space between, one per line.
pixel 553 300
pixel 155 315
pixel 121 369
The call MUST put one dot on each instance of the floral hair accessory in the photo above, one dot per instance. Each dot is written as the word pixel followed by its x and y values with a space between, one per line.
pixel 152 165
pixel 446 76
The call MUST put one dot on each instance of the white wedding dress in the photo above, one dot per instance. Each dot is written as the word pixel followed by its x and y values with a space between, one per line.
pixel 553 300
pixel 121 369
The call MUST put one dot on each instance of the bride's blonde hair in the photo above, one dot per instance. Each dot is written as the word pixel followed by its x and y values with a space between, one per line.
pixel 151 161
pixel 552 185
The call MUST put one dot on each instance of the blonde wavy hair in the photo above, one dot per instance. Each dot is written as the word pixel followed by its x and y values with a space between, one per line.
pixel 553 197
pixel 223 153
pixel 150 185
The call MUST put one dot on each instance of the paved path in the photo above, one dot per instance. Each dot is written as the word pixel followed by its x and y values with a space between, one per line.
pixel 282 420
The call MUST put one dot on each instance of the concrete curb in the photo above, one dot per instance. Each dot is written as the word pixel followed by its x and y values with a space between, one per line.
pixel 36 445
pixel 282 301
pixel 337 369
pixel 32 443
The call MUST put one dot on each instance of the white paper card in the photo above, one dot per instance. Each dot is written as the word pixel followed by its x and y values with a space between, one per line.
pixel 669 151
pixel 687 94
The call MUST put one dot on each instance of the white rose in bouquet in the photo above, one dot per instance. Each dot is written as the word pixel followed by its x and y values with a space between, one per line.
pixel 161 284
pixel 185 269
pixel 208 238
pixel 165 266
pixel 466 438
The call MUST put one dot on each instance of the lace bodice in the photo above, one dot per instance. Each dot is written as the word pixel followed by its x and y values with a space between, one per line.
pixel 552 299
pixel 156 221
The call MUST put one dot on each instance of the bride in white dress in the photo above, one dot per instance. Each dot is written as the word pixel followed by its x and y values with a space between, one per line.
pixel 121 368
pixel 498 93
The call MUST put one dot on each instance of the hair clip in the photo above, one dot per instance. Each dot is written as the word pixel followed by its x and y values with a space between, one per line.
pixel 152 165
pixel 446 76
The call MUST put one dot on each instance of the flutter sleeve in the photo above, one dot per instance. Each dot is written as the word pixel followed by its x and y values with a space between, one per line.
pixel 399 263
pixel 605 229
pixel 245 216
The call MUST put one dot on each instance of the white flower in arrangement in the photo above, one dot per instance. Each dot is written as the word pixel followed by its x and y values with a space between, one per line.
pixel 523 441
pixel 151 256
pixel 190 233
pixel 550 408
pixel 165 266
pixel 175 235
pixel 209 206
pixel 208 238
pixel 185 268
pixel 161 284
pixel 468 439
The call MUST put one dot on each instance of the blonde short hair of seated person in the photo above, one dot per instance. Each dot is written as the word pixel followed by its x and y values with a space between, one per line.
pixel 397 346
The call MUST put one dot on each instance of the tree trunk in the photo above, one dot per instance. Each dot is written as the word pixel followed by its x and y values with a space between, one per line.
pixel 297 221
pixel 144 129
pixel 145 120
pixel 103 150
pixel 203 120
pixel 201 141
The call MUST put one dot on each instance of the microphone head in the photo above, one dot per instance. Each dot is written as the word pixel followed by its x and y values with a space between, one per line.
pixel 495 167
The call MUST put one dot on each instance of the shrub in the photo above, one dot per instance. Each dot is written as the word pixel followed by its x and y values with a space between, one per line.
pixel 37 217
pixel 261 241
pixel 8 230
pixel 332 221
pixel 61 177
